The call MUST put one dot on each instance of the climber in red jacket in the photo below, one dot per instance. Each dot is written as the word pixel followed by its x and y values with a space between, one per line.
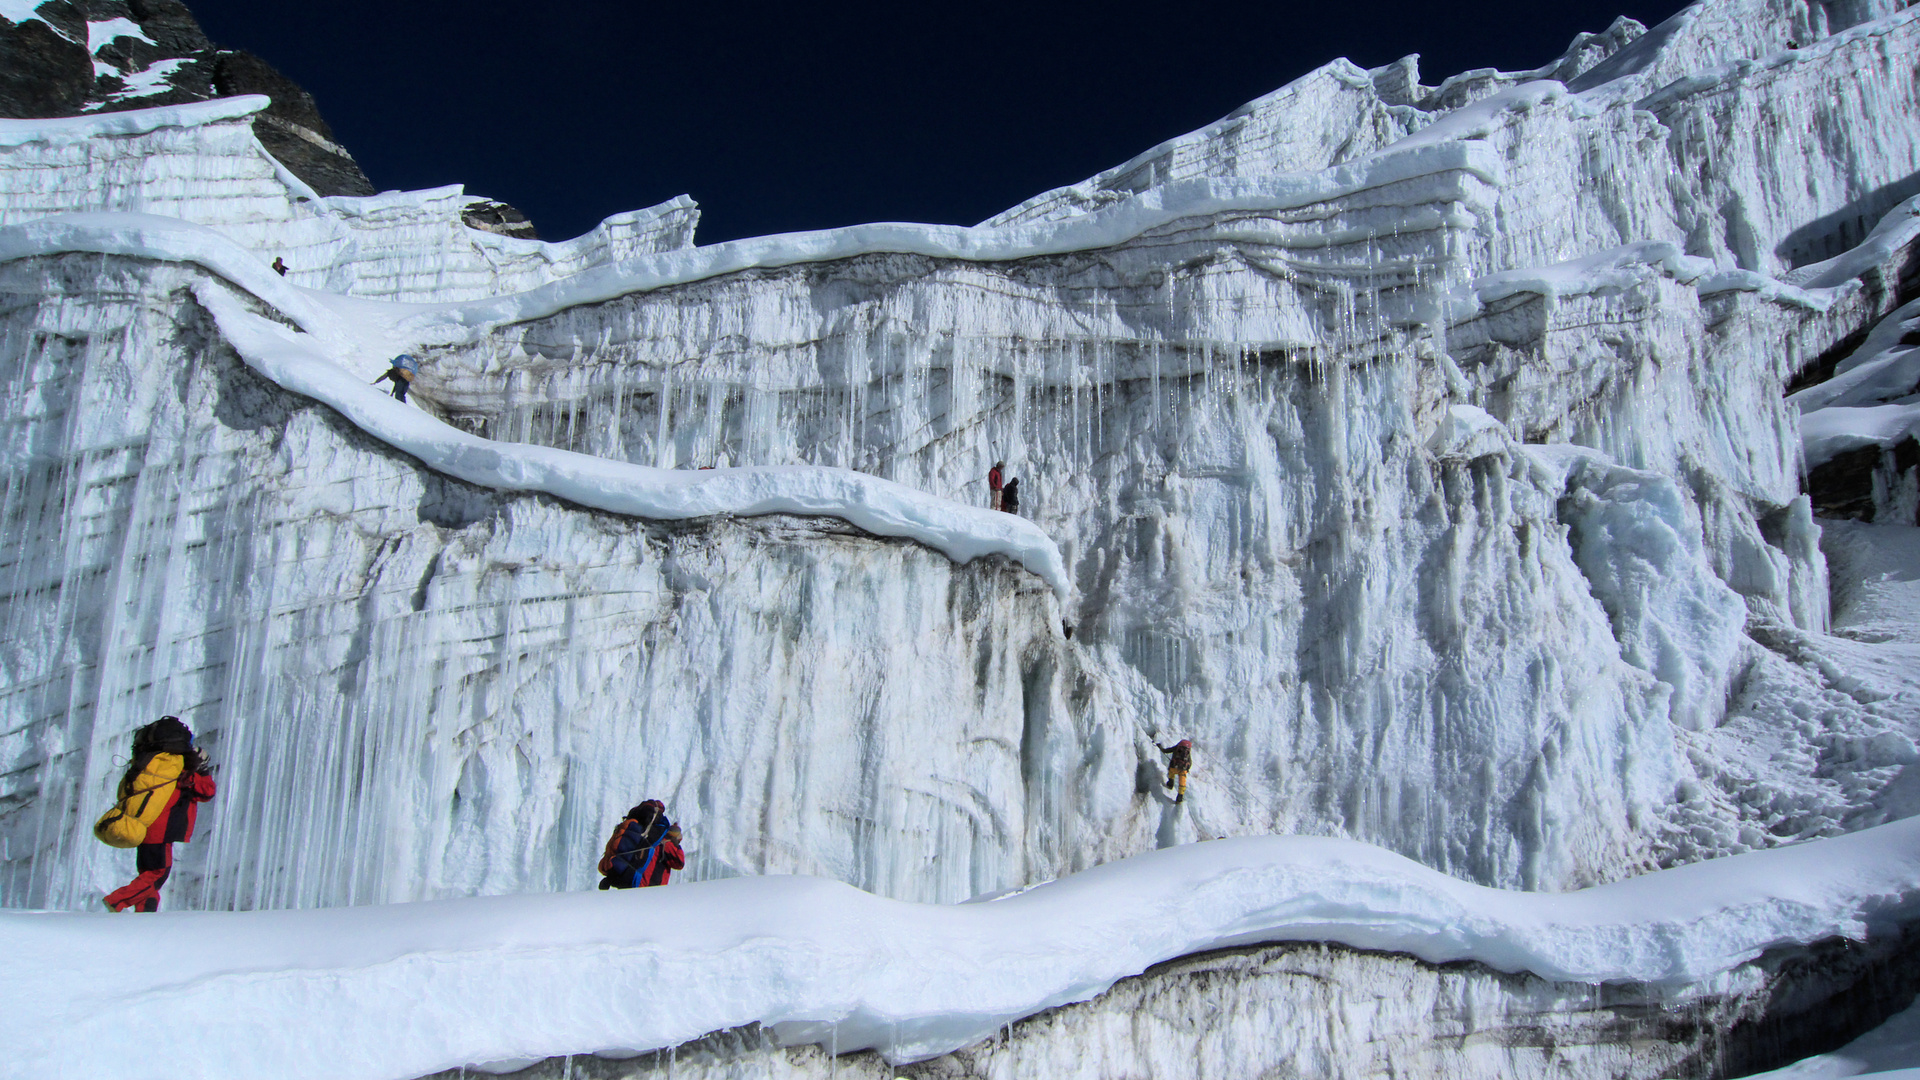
pixel 667 858
pixel 644 849
pixel 162 790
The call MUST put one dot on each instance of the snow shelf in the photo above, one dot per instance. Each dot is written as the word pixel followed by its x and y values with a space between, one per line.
pixel 408 989
pixel 317 357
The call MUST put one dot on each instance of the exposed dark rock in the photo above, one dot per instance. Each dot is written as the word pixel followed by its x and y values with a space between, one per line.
pixel 498 217
pixel 170 24
pixel 41 73
pixel 48 72
pixel 291 129
pixel 45 70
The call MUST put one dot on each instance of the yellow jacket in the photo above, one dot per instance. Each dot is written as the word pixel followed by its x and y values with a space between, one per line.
pixel 152 792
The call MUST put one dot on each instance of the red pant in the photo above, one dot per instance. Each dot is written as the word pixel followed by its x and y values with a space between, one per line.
pixel 154 862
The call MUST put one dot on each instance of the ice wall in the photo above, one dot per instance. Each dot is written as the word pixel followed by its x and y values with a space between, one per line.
pixel 422 688
pixel 202 163
pixel 1229 422
pixel 1439 487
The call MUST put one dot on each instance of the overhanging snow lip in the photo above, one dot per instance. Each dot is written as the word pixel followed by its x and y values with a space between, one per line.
pixel 131 121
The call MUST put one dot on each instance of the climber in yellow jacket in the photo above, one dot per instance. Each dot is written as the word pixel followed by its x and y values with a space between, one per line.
pixel 160 794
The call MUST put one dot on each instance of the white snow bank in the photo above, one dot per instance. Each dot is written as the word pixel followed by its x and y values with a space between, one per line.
pixel 1471 123
pixel 148 80
pixel 403 990
pixel 19 11
pixel 1874 396
pixel 1826 433
pixel 1468 431
pixel 1617 268
pixel 878 506
pixel 308 359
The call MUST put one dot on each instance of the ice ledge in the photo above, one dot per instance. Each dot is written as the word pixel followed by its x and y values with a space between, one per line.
pixel 66 129
pixel 315 357
pixel 1624 267
pixel 408 989
pixel 1155 208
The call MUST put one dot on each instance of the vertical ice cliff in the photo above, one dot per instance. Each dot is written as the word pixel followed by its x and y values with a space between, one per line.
pixel 1419 452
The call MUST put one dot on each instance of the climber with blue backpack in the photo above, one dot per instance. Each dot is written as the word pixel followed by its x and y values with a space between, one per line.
pixel 401 373
pixel 644 849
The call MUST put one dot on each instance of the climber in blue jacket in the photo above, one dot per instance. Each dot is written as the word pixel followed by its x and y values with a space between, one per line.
pixel 401 374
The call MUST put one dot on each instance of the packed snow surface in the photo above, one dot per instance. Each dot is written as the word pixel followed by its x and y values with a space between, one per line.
pixel 407 989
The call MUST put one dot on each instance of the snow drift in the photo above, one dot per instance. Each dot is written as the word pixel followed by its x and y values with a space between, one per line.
pixel 405 990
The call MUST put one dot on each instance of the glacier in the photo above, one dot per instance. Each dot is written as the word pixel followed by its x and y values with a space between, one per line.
pixel 1465 469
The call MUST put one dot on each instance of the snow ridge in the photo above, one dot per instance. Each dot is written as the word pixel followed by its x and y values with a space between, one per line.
pixel 532 976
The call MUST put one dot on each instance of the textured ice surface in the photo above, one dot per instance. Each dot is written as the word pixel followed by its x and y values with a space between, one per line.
pixel 401 990
pixel 1440 488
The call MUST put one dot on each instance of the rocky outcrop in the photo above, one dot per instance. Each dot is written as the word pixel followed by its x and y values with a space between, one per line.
pixel 160 56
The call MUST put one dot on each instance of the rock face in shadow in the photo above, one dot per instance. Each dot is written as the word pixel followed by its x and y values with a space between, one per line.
pixel 50 72
pixel 1311 1010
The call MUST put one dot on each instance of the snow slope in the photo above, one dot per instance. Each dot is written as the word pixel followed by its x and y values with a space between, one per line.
pixel 400 991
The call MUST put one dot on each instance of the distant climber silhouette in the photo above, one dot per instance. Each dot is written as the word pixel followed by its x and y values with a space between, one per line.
pixel 996 480
pixel 1178 765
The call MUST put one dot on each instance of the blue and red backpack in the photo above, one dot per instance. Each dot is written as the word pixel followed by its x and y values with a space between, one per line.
pixel 634 841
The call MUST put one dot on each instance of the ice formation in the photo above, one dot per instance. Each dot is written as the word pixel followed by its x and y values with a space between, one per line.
pixel 1228 376
pixel 403 990
pixel 1422 453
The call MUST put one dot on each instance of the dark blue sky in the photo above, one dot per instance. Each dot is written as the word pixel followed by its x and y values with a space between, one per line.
pixel 808 116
